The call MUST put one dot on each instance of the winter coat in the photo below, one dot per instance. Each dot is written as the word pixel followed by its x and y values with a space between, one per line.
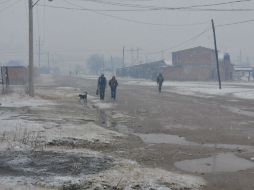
pixel 160 79
pixel 113 84
pixel 102 82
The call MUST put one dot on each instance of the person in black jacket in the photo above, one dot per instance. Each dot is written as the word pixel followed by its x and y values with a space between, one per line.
pixel 102 82
pixel 160 80
pixel 113 85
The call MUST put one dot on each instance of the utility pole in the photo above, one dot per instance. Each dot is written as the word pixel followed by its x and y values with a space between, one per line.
pixel 48 63
pixel 240 57
pixel 137 55
pixel 111 62
pixel 31 58
pixel 123 56
pixel 31 48
pixel 132 59
pixel 103 64
pixel 39 53
pixel 216 54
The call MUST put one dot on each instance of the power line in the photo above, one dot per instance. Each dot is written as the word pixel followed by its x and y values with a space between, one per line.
pixel 126 19
pixel 151 7
pixel 12 4
pixel 235 23
pixel 4 1
pixel 184 42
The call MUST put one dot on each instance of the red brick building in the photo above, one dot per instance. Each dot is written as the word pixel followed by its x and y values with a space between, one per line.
pixel 16 75
pixel 197 64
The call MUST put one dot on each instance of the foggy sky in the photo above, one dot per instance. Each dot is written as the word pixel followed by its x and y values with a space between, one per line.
pixel 70 36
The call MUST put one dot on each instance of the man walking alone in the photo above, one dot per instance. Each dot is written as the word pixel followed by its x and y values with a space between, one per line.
pixel 160 80
pixel 113 85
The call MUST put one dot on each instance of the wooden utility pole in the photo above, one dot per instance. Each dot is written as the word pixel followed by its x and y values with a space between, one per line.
pixel 216 54
pixel 39 52
pixel 123 56
pixel 48 62
pixel 31 58
pixel 137 55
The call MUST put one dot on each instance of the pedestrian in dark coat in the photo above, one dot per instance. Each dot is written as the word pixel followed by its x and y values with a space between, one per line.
pixel 102 82
pixel 160 80
pixel 113 85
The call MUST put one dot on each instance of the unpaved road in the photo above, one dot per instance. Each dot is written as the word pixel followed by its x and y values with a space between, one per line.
pixel 215 122
pixel 214 134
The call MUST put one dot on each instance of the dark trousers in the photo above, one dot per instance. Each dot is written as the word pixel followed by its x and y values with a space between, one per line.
pixel 102 93
pixel 113 93
pixel 160 85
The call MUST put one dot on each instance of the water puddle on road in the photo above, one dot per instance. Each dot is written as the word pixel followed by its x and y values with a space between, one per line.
pixel 240 111
pixel 219 163
pixel 163 138
pixel 174 139
pixel 123 129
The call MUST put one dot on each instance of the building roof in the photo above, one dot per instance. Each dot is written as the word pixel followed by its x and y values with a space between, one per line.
pixel 160 63
pixel 195 48
pixel 238 68
pixel 23 67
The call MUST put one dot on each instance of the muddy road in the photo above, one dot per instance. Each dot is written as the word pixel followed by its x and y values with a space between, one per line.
pixel 173 128
pixel 143 140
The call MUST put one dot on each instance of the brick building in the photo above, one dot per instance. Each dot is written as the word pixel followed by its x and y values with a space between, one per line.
pixel 15 75
pixel 197 64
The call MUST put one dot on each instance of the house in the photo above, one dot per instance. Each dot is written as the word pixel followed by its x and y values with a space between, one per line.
pixel 145 71
pixel 14 75
pixel 198 64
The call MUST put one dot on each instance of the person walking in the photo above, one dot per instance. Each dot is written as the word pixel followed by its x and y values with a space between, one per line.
pixel 113 85
pixel 160 80
pixel 102 82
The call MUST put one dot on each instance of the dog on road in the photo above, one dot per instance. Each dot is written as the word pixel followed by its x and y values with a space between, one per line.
pixel 83 97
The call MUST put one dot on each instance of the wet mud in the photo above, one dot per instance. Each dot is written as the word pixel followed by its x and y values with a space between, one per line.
pixel 48 163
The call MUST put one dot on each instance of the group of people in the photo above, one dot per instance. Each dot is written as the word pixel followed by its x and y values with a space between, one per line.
pixel 102 83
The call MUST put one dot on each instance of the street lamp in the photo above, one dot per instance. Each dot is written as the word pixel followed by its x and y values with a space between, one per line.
pixel 31 57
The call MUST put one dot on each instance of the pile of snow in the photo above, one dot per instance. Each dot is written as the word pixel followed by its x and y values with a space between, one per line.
pixel 18 101
pixel 203 89
pixel 89 132
pixel 102 105
pixel 128 174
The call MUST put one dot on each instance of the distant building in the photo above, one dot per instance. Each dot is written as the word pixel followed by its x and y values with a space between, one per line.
pixel 14 75
pixel 145 71
pixel 194 64
pixel 243 72
pixel 197 64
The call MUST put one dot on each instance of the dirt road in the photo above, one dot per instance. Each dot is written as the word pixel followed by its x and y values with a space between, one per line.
pixel 179 127
pixel 177 140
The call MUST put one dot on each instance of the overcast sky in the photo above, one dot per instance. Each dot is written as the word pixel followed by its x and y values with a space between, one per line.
pixel 72 35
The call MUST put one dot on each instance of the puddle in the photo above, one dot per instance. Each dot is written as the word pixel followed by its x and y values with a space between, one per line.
pixel 122 129
pixel 239 111
pixel 220 163
pixel 174 139
pixel 166 139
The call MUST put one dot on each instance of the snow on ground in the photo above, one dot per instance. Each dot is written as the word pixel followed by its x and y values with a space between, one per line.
pixel 15 131
pixel 18 101
pixel 89 132
pixel 15 127
pixel 125 174
pixel 128 174
pixel 100 104
pixel 202 89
